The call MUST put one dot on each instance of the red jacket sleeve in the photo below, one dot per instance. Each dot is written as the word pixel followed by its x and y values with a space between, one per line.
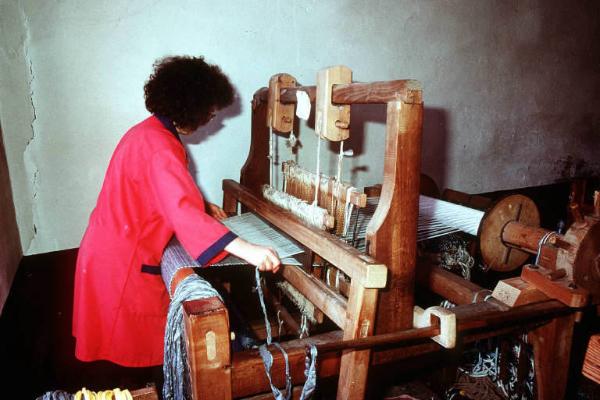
pixel 181 204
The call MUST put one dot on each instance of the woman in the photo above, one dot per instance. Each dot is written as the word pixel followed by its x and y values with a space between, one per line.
pixel 148 195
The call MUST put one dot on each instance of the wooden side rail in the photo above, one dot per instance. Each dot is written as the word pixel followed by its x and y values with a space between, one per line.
pixel 474 321
pixel 361 268
pixel 207 335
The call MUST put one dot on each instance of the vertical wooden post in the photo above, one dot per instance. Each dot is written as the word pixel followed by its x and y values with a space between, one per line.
pixel 392 232
pixel 207 332
pixel 229 203
pixel 255 171
pixel 551 351
pixel 360 321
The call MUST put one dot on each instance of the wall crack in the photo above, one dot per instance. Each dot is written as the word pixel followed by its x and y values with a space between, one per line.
pixel 28 152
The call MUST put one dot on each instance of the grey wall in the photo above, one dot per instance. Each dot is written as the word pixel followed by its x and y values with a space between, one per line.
pixel 511 88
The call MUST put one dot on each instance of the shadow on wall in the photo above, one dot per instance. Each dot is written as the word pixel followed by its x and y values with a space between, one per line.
pixel 434 154
pixel 212 128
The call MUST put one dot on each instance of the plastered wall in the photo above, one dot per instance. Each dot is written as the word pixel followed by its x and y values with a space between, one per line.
pixel 511 89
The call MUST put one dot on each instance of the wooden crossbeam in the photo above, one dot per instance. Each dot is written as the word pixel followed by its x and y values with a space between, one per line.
pixel 363 268
pixel 407 91
pixel 318 293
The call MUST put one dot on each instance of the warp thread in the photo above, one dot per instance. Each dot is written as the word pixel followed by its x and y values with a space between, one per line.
pixel 436 218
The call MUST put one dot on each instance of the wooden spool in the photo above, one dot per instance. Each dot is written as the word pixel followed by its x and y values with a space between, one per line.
pixel 495 253
pixel 280 117
pixel 332 121
pixel 591 362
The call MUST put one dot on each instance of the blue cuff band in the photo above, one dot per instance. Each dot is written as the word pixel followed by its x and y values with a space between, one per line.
pixel 216 248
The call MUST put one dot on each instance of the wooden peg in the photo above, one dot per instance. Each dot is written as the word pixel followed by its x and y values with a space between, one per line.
pixel 447 320
pixel 332 122
pixel 280 117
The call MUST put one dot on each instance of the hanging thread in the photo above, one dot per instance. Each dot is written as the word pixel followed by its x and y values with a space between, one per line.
pixel 271 156
pixel 318 171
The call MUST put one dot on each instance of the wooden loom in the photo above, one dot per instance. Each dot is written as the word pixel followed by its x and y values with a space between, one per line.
pixel 377 320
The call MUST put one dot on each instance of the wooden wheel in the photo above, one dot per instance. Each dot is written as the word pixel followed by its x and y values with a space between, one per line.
pixel 495 253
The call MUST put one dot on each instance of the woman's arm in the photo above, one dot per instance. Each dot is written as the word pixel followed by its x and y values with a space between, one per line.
pixel 264 258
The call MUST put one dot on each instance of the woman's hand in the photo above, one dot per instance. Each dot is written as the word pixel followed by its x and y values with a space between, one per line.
pixel 215 211
pixel 264 258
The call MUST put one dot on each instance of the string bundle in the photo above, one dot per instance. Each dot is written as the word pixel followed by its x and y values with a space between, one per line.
pixel 309 213
pixel 337 197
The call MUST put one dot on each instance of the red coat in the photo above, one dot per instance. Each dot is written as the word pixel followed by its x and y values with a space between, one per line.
pixel 120 302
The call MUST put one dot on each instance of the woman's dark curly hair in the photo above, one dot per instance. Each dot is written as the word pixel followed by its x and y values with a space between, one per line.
pixel 186 89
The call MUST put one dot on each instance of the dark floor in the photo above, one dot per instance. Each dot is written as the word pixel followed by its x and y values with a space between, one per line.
pixel 35 335
pixel 37 347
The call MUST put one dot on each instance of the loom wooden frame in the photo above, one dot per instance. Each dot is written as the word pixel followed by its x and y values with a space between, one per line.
pixel 370 308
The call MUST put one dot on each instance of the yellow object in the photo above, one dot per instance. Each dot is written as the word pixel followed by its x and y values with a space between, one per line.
pixel 115 394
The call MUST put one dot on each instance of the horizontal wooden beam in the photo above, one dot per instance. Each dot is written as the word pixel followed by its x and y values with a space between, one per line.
pixel 318 293
pixel 476 321
pixel 361 267
pixel 447 284
pixel 408 91
pixel 248 371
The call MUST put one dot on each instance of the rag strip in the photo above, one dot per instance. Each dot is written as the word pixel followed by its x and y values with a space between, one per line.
pixel 310 371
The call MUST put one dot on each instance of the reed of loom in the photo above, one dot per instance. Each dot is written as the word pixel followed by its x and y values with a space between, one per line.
pixel 352 349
